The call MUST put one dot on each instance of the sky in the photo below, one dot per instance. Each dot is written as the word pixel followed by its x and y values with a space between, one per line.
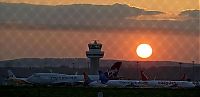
pixel 171 6
pixel 172 29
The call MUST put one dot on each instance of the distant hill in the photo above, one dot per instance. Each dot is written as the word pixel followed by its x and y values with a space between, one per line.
pixel 51 62
pixel 82 63
pixel 130 69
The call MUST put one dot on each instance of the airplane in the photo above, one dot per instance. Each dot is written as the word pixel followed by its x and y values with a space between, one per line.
pixel 166 83
pixel 118 83
pixel 49 79
pixel 196 83
pixel 92 83
pixel 56 78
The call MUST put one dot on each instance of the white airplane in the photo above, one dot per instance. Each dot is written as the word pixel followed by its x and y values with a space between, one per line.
pixel 55 78
pixel 111 74
pixel 49 79
pixel 92 83
pixel 118 83
pixel 165 83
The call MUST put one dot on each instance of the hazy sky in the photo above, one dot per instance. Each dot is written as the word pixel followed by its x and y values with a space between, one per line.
pixel 117 45
pixel 64 31
pixel 160 5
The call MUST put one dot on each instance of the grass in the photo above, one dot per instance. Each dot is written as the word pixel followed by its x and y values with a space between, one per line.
pixel 36 91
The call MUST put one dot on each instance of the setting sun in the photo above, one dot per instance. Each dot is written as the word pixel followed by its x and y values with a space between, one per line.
pixel 144 50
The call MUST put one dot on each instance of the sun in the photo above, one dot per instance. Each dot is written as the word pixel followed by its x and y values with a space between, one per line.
pixel 144 50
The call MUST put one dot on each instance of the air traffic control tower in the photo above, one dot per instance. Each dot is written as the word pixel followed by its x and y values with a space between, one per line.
pixel 94 54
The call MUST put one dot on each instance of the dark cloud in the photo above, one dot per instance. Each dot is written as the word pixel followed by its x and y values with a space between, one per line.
pixel 187 22
pixel 87 16
pixel 76 15
pixel 195 14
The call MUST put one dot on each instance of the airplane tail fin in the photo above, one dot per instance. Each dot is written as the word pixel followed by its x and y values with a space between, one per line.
pixel 11 75
pixel 102 77
pixel 116 65
pixel 184 77
pixel 114 70
pixel 87 79
pixel 143 76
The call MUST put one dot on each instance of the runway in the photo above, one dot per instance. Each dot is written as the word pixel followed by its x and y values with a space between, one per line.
pixel 45 91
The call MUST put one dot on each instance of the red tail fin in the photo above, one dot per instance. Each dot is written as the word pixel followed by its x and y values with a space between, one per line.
pixel 143 76
pixel 183 77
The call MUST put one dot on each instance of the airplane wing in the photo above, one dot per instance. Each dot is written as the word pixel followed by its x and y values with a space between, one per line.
pixel 68 83
pixel 132 85
pixel 172 86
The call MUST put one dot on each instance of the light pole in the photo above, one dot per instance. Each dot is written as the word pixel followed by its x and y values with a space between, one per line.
pixel 137 63
pixel 180 68
pixel 73 66
pixel 193 75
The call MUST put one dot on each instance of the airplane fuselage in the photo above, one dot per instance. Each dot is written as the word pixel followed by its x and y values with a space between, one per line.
pixel 169 84
pixel 56 78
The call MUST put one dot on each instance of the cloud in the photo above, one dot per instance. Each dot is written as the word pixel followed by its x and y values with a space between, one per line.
pixel 98 17
pixel 194 14
pixel 76 15
pixel 186 22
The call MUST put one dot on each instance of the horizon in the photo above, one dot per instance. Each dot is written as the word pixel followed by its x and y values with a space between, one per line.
pixel 101 59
